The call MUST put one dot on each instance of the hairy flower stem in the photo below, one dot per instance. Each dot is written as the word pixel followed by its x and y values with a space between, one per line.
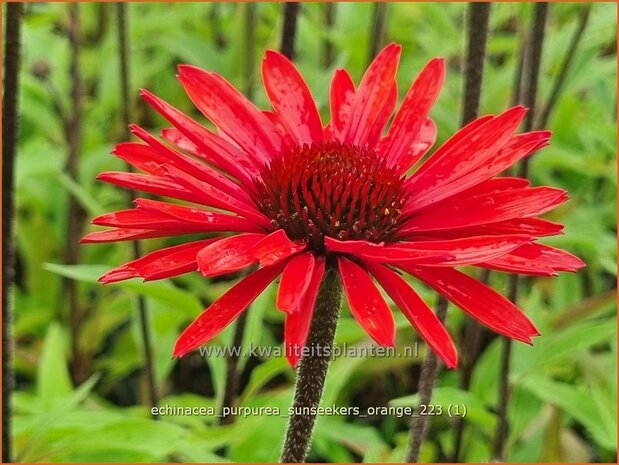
pixel 14 14
pixel 312 369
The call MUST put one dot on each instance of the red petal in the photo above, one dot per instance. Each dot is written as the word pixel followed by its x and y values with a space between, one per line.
pixel 412 115
pixel 486 208
pixel 213 220
pixel 297 324
pixel 385 253
pixel 210 147
pixel 221 313
pixel 200 171
pixel 228 255
pixel 417 312
pixel 209 195
pixel 479 301
pixel 139 156
pixel 291 98
pixel 466 251
pixel 276 247
pixel 454 159
pixel 147 183
pixel 535 259
pixel 366 304
pixel 123 234
pixel 375 99
pixel 230 111
pixel 160 264
pixel 155 215
pixel 342 96
pixel 534 227
pixel 295 281
pixel 519 147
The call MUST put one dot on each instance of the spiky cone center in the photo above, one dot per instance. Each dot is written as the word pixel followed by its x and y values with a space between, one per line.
pixel 332 189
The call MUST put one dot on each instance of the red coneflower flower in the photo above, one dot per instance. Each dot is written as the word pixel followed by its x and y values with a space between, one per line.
pixel 300 196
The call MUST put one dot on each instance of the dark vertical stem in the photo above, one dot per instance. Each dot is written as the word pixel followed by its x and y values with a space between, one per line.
pixel 289 31
pixel 73 131
pixel 215 19
pixel 565 66
pixel 123 52
pixel 473 334
pixel 479 14
pixel 249 46
pixel 232 362
pixel 10 130
pixel 379 29
pixel 312 370
pixel 232 358
pixel 329 21
pixel 478 19
pixel 427 378
pixel 534 58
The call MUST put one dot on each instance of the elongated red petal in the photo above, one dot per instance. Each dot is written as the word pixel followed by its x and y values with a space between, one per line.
pixel 215 221
pixel 147 183
pixel 536 260
pixel 165 155
pixel 342 96
pixel 534 227
pixel 453 252
pixel 453 160
pixel 208 146
pixel 417 312
pixel 487 208
pixel 124 234
pixel 160 264
pixel 412 115
pixel 517 148
pixel 479 301
pixel 295 281
pixel 224 310
pixel 386 252
pixel 230 111
pixel 228 255
pixel 291 98
pixel 375 99
pixel 276 247
pixel 155 215
pixel 366 304
pixel 209 195
pixel 297 324
pixel 466 251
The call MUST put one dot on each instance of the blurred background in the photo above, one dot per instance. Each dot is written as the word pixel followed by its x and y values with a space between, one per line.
pixel 82 391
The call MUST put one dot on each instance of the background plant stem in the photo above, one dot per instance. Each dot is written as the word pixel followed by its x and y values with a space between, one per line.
pixel 379 29
pixel 330 9
pixel 312 370
pixel 123 52
pixel 76 214
pixel 534 57
pixel 289 30
pixel 10 134
pixel 478 19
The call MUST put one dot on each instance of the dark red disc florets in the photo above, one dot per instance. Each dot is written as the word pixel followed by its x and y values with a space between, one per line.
pixel 334 190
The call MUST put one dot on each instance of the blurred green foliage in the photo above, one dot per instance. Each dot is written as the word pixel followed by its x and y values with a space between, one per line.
pixel 564 387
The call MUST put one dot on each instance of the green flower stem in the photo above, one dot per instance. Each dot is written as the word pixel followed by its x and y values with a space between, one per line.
pixel 312 369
